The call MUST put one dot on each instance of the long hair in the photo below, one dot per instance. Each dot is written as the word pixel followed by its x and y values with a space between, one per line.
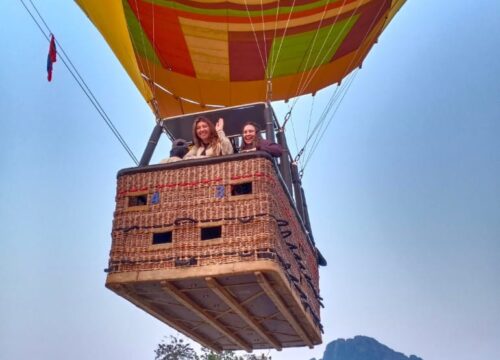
pixel 256 140
pixel 213 137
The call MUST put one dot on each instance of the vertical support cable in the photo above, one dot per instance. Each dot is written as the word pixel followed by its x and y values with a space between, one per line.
pixel 297 186
pixel 300 199
pixel 307 222
pixel 285 160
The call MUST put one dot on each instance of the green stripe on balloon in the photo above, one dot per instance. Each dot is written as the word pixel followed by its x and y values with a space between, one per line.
pixel 140 41
pixel 216 11
pixel 295 48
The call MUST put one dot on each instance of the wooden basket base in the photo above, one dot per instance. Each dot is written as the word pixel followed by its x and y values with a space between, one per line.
pixel 240 306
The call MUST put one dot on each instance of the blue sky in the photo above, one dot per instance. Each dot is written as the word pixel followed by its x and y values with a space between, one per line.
pixel 403 190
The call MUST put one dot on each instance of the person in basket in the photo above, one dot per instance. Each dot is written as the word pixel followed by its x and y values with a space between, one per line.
pixel 209 140
pixel 253 141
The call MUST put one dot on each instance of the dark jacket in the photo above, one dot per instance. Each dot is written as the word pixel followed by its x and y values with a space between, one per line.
pixel 272 148
pixel 265 145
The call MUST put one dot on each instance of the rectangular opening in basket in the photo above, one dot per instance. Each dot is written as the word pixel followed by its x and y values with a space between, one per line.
pixel 241 189
pixel 138 200
pixel 162 238
pixel 212 232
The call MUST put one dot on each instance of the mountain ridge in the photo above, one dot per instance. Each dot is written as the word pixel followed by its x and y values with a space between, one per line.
pixel 362 348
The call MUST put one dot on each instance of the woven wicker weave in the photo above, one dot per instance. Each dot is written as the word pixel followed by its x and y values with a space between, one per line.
pixel 188 197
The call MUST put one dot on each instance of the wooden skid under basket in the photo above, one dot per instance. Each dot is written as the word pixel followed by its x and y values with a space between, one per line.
pixel 240 306
pixel 255 285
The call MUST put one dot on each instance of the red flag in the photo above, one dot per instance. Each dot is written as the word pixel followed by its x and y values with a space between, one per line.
pixel 51 58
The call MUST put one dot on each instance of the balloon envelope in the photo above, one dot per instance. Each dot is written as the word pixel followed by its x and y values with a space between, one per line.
pixel 187 56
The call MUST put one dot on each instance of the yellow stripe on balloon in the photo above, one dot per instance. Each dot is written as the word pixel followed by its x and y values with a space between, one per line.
pixel 208 48
pixel 110 21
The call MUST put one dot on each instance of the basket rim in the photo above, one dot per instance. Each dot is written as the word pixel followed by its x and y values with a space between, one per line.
pixel 185 163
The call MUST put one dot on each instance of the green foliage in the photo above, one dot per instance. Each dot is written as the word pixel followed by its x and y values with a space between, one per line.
pixel 177 349
pixel 208 354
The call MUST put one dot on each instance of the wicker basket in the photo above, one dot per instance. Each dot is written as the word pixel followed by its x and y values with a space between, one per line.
pixel 215 249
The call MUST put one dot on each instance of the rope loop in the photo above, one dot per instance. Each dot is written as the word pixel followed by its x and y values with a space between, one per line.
pixel 296 159
pixel 245 219
pixel 281 222
pixel 186 220
pixel 287 117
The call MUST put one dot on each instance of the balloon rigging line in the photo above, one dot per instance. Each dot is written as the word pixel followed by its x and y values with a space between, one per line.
pixel 179 97
pixel 318 140
pixel 140 65
pixel 271 61
pixel 333 44
pixel 299 85
pixel 311 74
pixel 154 42
pixel 263 30
pixel 310 117
pixel 282 40
pixel 294 133
pixel 81 82
pixel 312 46
pixel 135 46
pixel 320 122
pixel 332 99
pixel 154 102
pixel 142 39
pixel 331 103
pixel 256 39
pixel 315 145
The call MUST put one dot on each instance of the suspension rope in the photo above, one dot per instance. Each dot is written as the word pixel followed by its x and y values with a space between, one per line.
pixel 306 64
pixel 154 42
pixel 318 124
pixel 312 74
pixel 142 42
pixel 80 81
pixel 312 45
pixel 274 37
pixel 303 83
pixel 263 29
pixel 343 92
pixel 142 68
pixel 180 98
pixel 293 131
pixel 310 116
pixel 287 117
pixel 333 44
pixel 282 39
pixel 255 37
pixel 321 119
pixel 315 145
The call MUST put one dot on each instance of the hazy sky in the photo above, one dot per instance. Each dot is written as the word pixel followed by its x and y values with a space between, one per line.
pixel 403 191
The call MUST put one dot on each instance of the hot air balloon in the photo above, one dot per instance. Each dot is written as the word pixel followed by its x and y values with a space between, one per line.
pixel 221 248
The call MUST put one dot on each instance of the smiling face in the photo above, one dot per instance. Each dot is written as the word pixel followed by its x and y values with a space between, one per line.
pixel 203 131
pixel 249 134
